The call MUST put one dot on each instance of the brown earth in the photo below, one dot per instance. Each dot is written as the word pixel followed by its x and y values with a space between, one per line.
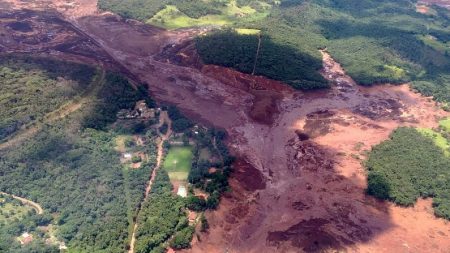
pixel 299 184
pixel 443 3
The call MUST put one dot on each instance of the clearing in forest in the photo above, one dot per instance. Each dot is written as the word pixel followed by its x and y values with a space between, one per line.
pixel 178 162
pixel 173 17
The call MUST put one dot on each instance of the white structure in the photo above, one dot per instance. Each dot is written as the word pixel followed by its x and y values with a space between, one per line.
pixel 182 192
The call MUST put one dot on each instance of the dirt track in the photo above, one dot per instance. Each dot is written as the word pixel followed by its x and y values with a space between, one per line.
pixel 443 3
pixel 163 118
pixel 299 185
pixel 24 201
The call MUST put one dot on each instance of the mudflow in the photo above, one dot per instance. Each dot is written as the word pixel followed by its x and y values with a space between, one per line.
pixel 298 185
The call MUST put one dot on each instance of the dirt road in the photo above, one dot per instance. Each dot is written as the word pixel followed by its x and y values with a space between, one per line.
pixel 27 202
pixel 163 118
pixel 299 186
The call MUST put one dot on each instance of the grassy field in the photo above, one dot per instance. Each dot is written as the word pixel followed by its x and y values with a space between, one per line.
pixel 247 31
pixel 172 18
pixel 178 163
pixel 445 124
pixel 437 138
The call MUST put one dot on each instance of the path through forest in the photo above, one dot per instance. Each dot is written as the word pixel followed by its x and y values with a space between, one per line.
pixel 257 54
pixel 163 118
pixel 60 113
pixel 27 202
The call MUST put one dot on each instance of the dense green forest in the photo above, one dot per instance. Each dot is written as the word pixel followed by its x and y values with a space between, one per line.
pixel 375 41
pixel 32 87
pixel 163 216
pixel 407 166
pixel 276 61
pixel 71 168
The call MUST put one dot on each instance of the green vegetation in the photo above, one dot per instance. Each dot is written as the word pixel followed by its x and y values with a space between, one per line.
pixel 178 162
pixel 72 169
pixel 280 62
pixel 33 87
pixel 438 139
pixel 182 239
pixel 375 41
pixel 212 182
pixel 116 94
pixel 179 122
pixel 445 125
pixel 247 31
pixel 408 166
pixel 162 216
pixel 188 13
pixel 12 209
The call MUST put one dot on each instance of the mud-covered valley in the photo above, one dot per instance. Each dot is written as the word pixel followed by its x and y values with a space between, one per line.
pixel 298 185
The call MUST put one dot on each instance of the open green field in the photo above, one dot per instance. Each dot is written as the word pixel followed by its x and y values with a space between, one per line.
pixel 178 162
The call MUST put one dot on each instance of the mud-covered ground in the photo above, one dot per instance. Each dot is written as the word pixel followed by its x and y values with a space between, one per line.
pixel 443 3
pixel 298 185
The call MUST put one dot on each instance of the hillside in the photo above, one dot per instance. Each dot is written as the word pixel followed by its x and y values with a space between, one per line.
pixel 395 43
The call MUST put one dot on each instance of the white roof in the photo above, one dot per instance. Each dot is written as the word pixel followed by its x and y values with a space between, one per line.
pixel 182 192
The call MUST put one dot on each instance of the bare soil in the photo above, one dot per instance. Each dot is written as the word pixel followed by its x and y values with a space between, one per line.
pixel 299 183
pixel 443 3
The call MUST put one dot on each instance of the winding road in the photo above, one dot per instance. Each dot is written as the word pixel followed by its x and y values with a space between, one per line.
pixel 38 208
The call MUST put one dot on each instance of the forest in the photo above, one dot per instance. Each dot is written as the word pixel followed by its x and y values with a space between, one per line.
pixel 279 62
pixel 163 217
pixel 400 170
pixel 71 167
pixel 375 41
pixel 32 87
pixel 145 9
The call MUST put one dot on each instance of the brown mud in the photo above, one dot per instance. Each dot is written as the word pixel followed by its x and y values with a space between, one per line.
pixel 299 183
pixel 442 3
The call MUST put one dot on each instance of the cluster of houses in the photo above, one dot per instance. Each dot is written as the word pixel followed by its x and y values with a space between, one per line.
pixel 140 111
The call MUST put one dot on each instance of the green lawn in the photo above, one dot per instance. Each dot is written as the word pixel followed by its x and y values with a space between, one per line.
pixel 178 162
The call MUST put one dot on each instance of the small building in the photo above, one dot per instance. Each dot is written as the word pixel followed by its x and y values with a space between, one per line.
pixel 25 238
pixel 127 155
pixel 141 111
pixel 182 192
pixel 144 111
